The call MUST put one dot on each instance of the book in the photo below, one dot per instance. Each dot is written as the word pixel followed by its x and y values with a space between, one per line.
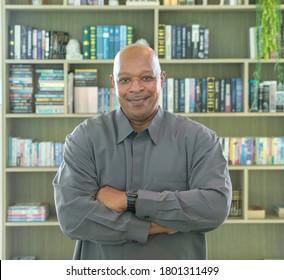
pixel 195 39
pixel 17 41
pixel 11 42
pixel 217 95
pixel 272 95
pixel 197 107
pixel 228 95
pixel 210 94
pixel 168 41
pixel 178 44
pixel 203 93
pixel 201 45
pixel 181 107
pixel 86 42
pixel 256 212
pixel 106 42
pixel 222 95
pixel 161 40
pixel 93 38
pixel 279 98
pixel 266 98
pixel 253 96
pixel 279 209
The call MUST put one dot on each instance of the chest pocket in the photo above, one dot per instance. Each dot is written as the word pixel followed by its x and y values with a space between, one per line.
pixel 170 181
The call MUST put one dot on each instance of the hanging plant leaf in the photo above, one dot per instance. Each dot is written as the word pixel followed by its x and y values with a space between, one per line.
pixel 269 23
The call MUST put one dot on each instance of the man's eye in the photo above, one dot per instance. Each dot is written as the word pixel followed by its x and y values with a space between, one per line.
pixel 148 78
pixel 123 80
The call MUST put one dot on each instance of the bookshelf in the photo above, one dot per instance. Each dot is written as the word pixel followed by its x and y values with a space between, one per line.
pixel 238 238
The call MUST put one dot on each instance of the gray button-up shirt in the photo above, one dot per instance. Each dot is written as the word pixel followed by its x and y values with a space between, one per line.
pixel 178 169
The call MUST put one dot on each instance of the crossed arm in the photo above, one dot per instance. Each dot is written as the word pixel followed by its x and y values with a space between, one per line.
pixel 116 200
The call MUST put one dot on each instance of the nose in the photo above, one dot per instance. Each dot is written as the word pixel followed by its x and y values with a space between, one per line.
pixel 136 85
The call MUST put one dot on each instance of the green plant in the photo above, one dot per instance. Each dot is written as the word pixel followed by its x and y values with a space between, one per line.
pixel 268 22
pixel 269 18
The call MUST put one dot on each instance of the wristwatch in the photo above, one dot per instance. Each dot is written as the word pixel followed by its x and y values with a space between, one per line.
pixel 131 199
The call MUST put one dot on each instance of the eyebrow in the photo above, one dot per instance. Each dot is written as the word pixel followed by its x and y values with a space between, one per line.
pixel 147 72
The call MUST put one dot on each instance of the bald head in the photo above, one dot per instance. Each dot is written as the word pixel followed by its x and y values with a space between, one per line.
pixel 136 52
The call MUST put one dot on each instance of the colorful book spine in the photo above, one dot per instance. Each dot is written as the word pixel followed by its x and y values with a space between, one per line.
pixel 86 42
pixel 93 38
pixel 210 94
pixel 161 40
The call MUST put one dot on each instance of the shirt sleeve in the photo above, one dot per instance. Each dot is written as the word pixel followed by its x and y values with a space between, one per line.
pixel 80 216
pixel 205 204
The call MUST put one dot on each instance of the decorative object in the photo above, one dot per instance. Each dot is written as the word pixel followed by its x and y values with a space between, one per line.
pixel 37 2
pixel 73 50
pixel 142 41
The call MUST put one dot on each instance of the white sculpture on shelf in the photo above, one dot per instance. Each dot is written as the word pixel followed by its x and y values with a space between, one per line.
pixel 73 50
pixel 142 41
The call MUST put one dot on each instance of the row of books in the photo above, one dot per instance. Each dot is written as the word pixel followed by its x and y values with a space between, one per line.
pixel 28 212
pixel 236 204
pixel 104 41
pixel 151 2
pixel 183 41
pixel 49 97
pixel 27 42
pixel 266 96
pixel 253 150
pixel 26 152
pixel 206 94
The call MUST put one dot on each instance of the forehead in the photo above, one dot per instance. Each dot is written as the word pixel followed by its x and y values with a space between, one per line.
pixel 135 61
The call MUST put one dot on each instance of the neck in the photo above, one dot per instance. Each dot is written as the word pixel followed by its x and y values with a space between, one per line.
pixel 141 125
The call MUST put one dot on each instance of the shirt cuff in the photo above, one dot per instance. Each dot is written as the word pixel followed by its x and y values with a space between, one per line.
pixel 138 231
pixel 147 204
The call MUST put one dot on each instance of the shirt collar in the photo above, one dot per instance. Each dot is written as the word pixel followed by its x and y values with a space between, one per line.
pixel 155 125
pixel 124 128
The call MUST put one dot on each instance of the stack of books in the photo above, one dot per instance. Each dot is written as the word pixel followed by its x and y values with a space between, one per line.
pixel 28 212
pixel 50 96
pixel 21 88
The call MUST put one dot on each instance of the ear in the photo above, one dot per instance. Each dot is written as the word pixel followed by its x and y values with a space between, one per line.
pixel 112 80
pixel 163 78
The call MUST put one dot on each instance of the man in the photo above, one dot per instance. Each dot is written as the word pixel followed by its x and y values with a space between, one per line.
pixel 140 182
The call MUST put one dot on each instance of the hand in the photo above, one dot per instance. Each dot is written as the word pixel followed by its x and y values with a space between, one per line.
pixel 156 228
pixel 112 198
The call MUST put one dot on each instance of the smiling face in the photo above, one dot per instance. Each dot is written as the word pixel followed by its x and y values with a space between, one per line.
pixel 138 80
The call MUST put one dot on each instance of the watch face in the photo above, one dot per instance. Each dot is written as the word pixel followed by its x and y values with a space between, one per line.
pixel 131 193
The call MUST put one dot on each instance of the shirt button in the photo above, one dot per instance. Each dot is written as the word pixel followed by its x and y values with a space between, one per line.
pixel 134 241
pixel 147 217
